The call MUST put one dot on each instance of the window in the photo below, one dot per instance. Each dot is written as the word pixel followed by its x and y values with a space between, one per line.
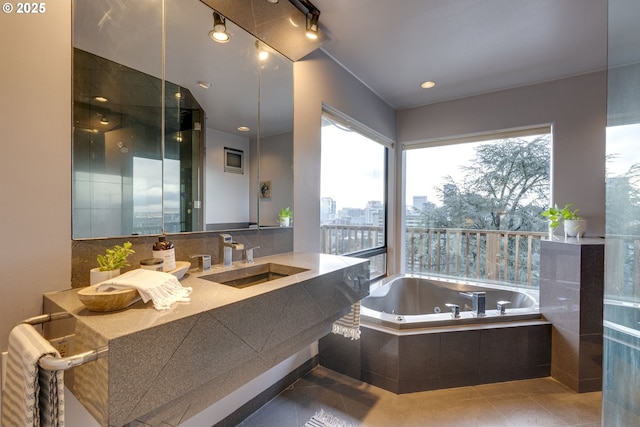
pixel 353 191
pixel 473 207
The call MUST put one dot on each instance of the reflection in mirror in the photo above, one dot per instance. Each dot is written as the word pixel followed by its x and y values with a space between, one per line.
pixel 275 190
pixel 114 120
pixel 139 171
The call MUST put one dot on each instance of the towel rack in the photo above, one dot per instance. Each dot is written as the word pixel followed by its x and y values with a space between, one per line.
pixel 52 363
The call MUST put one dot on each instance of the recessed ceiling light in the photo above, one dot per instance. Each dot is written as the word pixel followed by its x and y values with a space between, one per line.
pixel 104 121
pixel 273 1
pixel 219 33
pixel 204 84
pixel 244 129
pixel 428 84
pixel 100 99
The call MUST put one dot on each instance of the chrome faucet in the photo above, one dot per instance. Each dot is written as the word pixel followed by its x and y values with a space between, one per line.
pixel 502 306
pixel 455 310
pixel 225 249
pixel 478 301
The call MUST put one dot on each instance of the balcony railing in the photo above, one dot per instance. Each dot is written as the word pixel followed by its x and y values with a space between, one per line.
pixel 339 239
pixel 485 255
pixel 501 256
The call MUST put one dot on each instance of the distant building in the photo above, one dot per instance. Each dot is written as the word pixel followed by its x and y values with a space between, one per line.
pixel 420 202
pixel 327 210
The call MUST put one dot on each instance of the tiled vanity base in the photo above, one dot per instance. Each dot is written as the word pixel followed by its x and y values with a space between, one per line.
pixel 437 358
pixel 571 297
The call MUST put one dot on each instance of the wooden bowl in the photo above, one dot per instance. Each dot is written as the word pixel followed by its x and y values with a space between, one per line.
pixel 107 301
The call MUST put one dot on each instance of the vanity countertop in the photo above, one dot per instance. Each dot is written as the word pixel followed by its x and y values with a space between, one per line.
pixel 206 295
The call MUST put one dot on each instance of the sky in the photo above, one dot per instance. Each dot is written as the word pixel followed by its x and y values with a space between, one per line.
pixel 426 169
pixel 623 139
pixel 147 185
pixel 352 158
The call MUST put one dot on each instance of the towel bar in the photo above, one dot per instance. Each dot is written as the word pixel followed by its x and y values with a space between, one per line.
pixel 52 363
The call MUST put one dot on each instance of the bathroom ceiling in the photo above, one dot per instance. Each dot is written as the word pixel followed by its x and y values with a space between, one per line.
pixel 467 47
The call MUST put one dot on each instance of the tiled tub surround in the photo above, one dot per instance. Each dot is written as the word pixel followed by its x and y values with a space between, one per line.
pixel 423 352
pixel 571 297
pixel 166 366
pixel 271 241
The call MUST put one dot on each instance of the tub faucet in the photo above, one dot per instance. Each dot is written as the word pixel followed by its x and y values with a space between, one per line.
pixel 502 306
pixel 455 310
pixel 478 301
pixel 225 249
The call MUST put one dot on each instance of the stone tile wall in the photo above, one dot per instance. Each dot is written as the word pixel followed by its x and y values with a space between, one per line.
pixel 430 361
pixel 271 241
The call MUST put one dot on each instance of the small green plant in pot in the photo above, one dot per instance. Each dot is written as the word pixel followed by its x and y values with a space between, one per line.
pixel 115 258
pixel 285 217
pixel 574 224
pixel 110 263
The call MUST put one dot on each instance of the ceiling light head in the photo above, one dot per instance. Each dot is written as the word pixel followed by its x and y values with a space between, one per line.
pixel 219 33
pixel 100 99
pixel 204 84
pixel 428 84
pixel 312 25
pixel 104 121
pixel 244 129
pixel 263 53
pixel 273 1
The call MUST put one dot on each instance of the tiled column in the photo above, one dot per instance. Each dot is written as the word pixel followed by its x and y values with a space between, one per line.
pixel 571 298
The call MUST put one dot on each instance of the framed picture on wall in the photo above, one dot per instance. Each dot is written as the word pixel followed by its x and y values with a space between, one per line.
pixel 265 189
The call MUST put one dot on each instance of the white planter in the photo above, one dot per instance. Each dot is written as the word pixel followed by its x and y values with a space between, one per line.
pixel 284 222
pixel 575 227
pixel 97 276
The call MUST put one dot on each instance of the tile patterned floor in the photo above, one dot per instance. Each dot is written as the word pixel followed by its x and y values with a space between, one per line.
pixel 537 402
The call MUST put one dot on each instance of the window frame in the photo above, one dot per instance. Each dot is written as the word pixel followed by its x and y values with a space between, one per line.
pixel 336 116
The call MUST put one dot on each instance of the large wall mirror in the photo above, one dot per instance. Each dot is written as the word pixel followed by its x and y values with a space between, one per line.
pixel 172 131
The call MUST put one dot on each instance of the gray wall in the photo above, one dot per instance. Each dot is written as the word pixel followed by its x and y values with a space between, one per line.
pixel 576 108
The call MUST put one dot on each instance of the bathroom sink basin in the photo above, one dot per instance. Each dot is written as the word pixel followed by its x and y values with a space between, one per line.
pixel 253 275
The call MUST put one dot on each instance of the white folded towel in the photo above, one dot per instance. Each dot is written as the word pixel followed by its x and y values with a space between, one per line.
pixel 163 289
pixel 349 324
pixel 33 396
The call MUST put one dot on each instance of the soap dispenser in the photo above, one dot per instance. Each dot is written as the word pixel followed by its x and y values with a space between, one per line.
pixel 164 250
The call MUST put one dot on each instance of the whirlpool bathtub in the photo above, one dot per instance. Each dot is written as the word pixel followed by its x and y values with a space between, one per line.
pixel 411 342
pixel 407 302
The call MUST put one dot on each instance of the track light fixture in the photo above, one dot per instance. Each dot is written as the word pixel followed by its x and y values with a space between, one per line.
pixel 219 33
pixel 312 25
pixel 312 15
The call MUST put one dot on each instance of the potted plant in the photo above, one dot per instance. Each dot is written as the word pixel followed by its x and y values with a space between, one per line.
pixel 285 217
pixel 111 262
pixel 574 225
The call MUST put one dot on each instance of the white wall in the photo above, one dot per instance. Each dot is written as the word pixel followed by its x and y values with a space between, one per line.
pixel 276 165
pixel 576 108
pixel 35 165
pixel 226 194
pixel 317 80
